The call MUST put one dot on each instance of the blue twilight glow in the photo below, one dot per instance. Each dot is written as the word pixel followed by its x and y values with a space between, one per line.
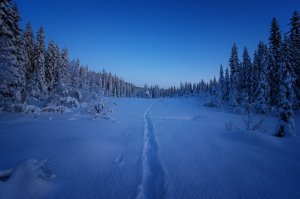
pixel 156 41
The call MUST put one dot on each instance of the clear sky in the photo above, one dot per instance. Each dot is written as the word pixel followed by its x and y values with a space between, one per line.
pixel 159 42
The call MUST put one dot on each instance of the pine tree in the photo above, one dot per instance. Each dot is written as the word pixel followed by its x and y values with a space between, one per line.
pixel 286 114
pixel 51 65
pixel 74 71
pixel 294 49
pixel 83 76
pixel 63 77
pixel 12 61
pixel 19 42
pixel 28 38
pixel 234 66
pixel 222 86
pixel 62 69
pixel 246 78
pixel 274 61
pixel 262 90
pixel 260 75
pixel 291 75
pixel 211 91
pixel 256 68
pixel 39 64
pixel 216 93
pixel 261 104
pixel 227 85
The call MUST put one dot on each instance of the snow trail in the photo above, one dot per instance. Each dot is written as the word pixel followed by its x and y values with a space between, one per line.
pixel 152 185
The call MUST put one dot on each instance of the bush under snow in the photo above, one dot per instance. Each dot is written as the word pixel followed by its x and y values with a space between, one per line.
pixel 69 102
pixel 31 109
pixel 96 109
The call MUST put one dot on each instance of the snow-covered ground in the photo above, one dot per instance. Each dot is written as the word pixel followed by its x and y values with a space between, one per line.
pixel 163 148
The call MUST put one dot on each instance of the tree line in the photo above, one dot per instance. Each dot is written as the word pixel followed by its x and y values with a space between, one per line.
pixel 268 83
pixel 31 71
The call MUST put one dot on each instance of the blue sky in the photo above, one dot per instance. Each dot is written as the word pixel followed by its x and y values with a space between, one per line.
pixel 159 42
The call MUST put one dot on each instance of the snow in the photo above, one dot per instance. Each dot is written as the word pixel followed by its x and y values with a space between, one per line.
pixel 31 109
pixel 32 175
pixel 152 185
pixel 147 148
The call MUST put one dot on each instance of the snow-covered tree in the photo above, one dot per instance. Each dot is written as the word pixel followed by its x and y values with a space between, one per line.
pixel 294 50
pixel 39 64
pixel 234 76
pixel 286 113
pixel 217 93
pixel 274 61
pixel 63 65
pixel 28 38
pixel 19 43
pixel 12 60
pixel 222 86
pixel 227 85
pixel 51 65
pixel 110 84
pixel 74 73
pixel 83 76
pixel 262 88
pixel 289 67
pixel 246 78
pixel 61 85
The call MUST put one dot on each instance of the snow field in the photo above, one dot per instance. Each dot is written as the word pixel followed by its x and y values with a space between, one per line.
pixel 175 149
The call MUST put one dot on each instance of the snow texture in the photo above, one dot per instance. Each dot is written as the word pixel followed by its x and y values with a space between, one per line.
pixel 152 185
pixel 176 149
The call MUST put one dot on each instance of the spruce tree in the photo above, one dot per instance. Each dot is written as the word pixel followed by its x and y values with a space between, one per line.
pixel 286 113
pixel 274 61
pixel 39 64
pixel 256 68
pixel 227 85
pixel 63 65
pixel 51 65
pixel 234 67
pixel 246 76
pixel 291 75
pixel 12 61
pixel 294 50
pixel 28 38
pixel 83 76
pixel 19 42
pixel 74 79
pixel 261 73
pixel 217 93
pixel 62 77
pixel 222 86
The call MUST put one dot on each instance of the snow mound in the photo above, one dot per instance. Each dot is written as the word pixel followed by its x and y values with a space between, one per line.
pixel 24 108
pixel 31 178
pixel 31 109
